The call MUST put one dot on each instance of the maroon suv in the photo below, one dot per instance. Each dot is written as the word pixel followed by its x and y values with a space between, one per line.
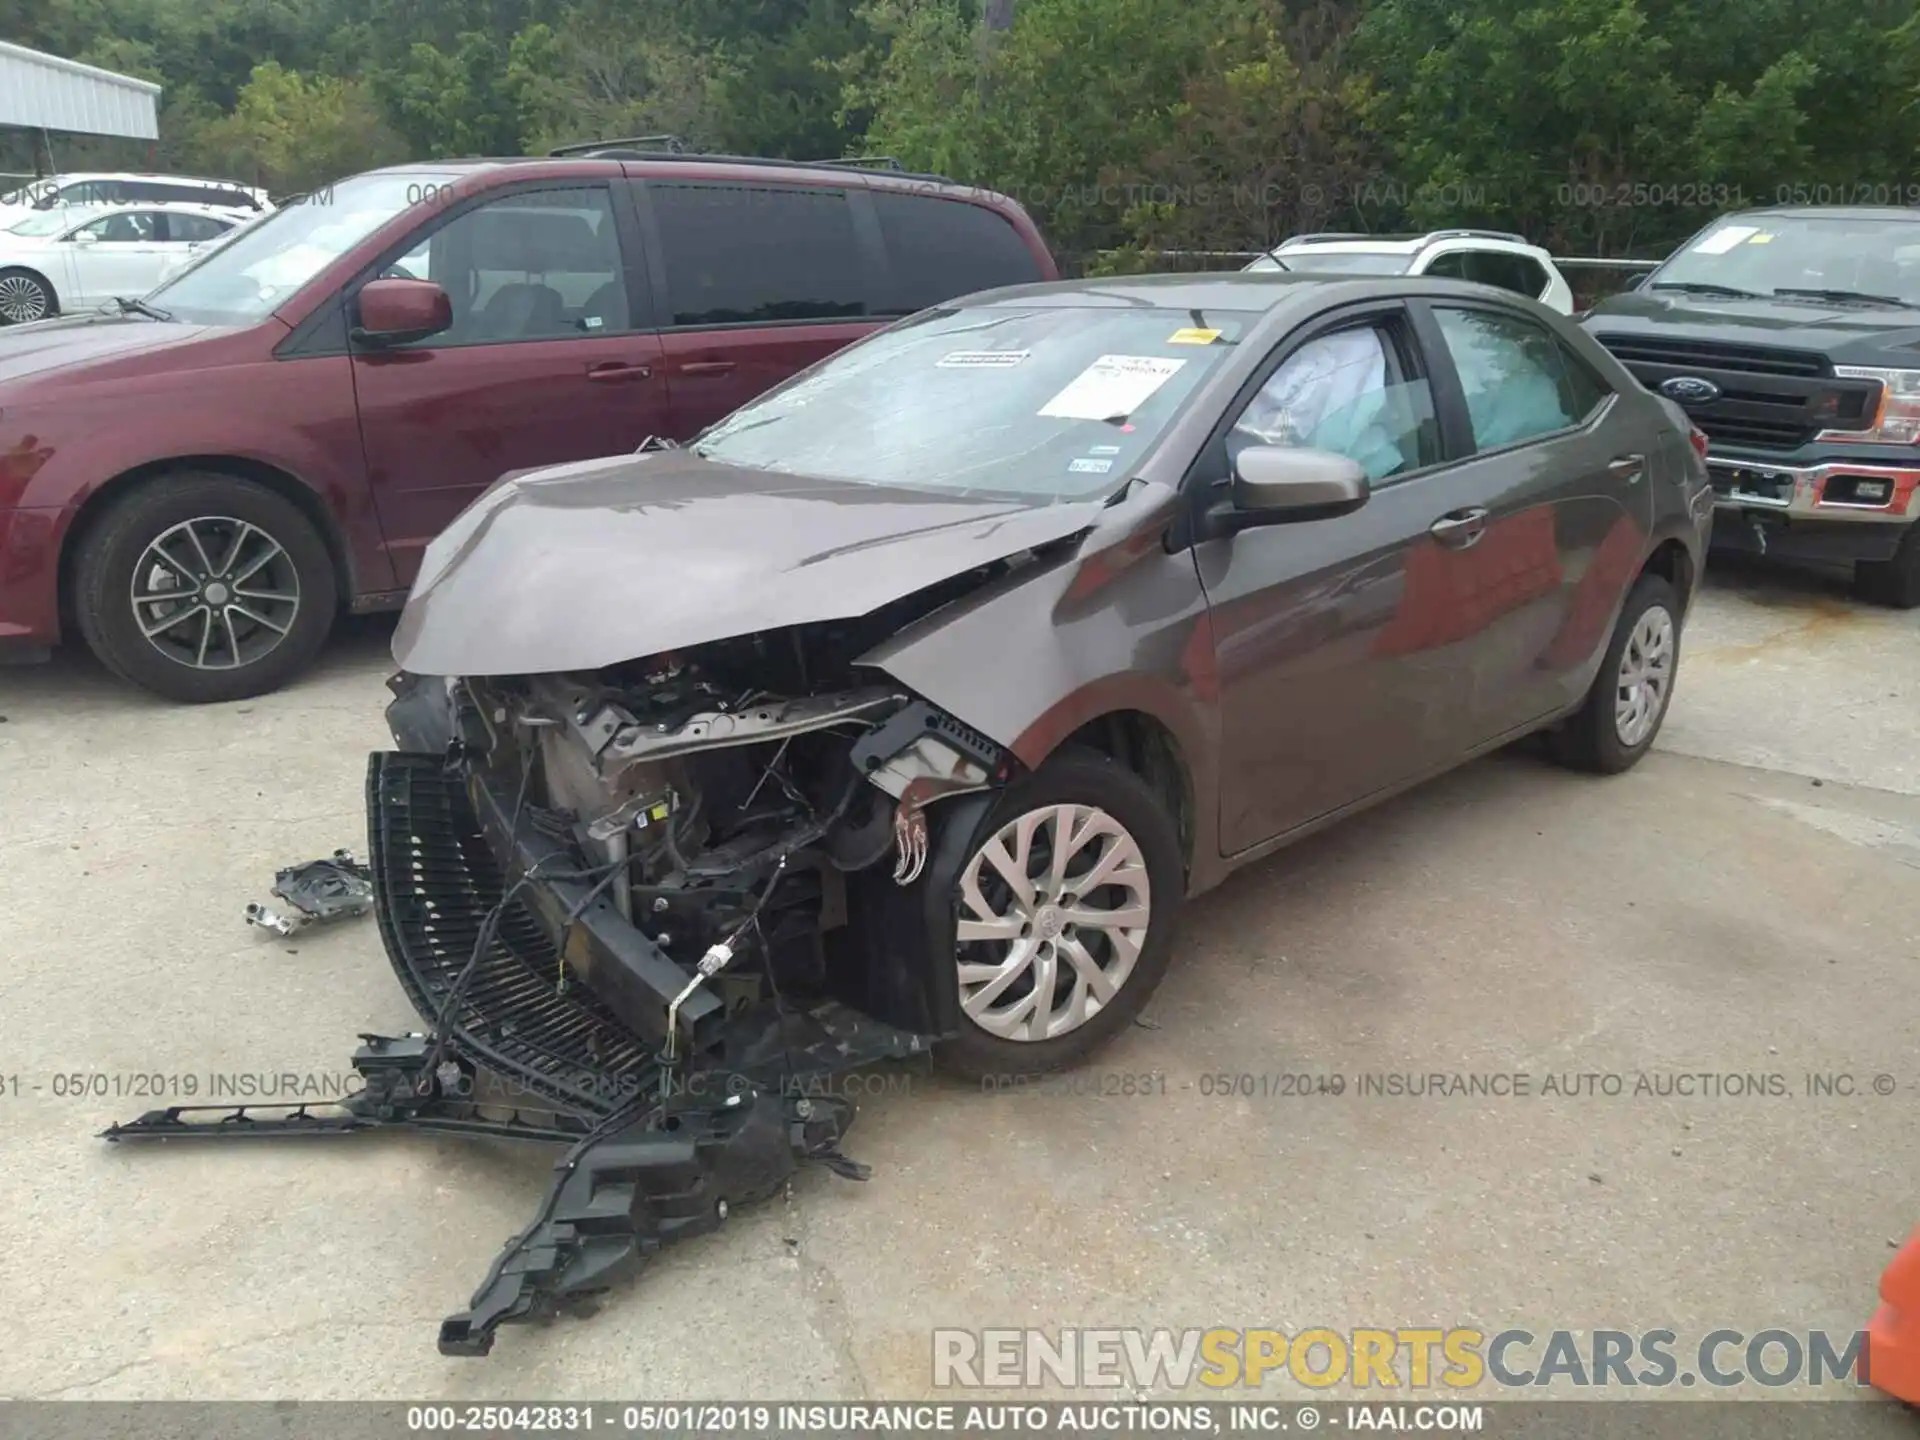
pixel 201 480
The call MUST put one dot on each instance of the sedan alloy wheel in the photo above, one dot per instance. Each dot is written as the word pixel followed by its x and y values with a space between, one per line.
pixel 1055 908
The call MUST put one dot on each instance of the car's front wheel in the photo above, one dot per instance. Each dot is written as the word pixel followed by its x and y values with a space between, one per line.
pixel 204 587
pixel 25 297
pixel 1067 909
pixel 1623 711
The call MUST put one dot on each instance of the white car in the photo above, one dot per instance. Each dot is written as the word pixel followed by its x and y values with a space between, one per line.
pixel 1486 257
pixel 57 192
pixel 80 259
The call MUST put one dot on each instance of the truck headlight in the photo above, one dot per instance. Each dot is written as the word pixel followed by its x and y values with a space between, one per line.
pixel 1897 421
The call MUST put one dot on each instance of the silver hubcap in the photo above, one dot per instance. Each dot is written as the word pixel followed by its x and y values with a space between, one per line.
pixel 1053 912
pixel 215 593
pixel 1646 677
pixel 21 300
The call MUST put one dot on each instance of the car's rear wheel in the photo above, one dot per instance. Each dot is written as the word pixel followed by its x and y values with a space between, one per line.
pixel 1894 582
pixel 204 587
pixel 25 297
pixel 1623 711
pixel 1065 924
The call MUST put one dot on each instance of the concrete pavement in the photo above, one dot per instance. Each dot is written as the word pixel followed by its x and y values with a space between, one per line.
pixel 1745 903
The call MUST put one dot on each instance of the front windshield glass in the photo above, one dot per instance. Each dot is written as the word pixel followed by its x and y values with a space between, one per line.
pixel 47 223
pixel 245 280
pixel 1770 254
pixel 1046 401
pixel 1337 262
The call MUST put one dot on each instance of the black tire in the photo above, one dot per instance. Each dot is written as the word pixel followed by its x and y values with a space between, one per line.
pixel 1590 738
pixel 19 285
pixel 1894 582
pixel 1086 778
pixel 114 554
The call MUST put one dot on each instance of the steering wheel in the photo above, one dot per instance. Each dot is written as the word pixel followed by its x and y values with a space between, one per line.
pixel 398 272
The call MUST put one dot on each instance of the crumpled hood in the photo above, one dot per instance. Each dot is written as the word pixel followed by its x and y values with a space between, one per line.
pixel 27 351
pixel 589 565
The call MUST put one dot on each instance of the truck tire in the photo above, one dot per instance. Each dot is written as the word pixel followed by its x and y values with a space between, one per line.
pixel 1895 582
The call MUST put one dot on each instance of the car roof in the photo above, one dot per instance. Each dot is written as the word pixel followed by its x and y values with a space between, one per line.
pixel 1830 212
pixel 66 177
pixel 702 166
pixel 1247 290
pixel 165 207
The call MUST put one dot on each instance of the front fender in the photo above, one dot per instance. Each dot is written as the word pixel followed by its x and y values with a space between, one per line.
pixel 1119 625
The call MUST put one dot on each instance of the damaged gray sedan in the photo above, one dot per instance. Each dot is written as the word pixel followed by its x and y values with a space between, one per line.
pixel 901 711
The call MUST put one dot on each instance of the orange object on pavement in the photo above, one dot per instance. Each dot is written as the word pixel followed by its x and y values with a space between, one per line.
pixel 1893 1335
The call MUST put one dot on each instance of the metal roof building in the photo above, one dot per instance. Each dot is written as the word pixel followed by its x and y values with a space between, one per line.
pixel 44 92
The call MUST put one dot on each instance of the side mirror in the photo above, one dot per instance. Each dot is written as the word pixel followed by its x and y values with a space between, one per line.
pixel 396 312
pixel 85 237
pixel 1636 280
pixel 1273 484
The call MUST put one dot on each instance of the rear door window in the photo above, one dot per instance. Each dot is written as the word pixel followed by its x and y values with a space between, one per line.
pixel 940 249
pixel 1519 383
pixel 191 229
pixel 743 254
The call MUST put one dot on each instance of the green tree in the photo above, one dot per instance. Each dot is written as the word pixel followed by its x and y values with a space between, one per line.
pixel 293 132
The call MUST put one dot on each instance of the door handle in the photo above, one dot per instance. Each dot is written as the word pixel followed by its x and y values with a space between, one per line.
pixel 612 372
pixel 1628 468
pixel 1460 529
pixel 707 367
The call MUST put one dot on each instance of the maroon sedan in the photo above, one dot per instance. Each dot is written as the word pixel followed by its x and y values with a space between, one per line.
pixel 200 481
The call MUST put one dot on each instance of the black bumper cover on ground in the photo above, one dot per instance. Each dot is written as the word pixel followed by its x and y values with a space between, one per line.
pixel 656 1152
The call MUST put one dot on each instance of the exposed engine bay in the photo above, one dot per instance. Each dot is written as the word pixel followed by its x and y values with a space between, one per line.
pixel 729 798
pixel 647 912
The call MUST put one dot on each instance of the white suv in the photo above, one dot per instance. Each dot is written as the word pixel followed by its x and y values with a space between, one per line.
pixel 60 192
pixel 1486 257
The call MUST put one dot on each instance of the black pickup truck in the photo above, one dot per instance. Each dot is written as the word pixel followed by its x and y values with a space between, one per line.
pixel 1791 336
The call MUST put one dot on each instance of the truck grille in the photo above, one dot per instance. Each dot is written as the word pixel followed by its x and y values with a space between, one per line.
pixel 1687 357
pixel 1769 399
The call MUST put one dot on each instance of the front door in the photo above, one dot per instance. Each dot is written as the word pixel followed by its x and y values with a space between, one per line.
pixel 120 254
pixel 1329 689
pixel 549 359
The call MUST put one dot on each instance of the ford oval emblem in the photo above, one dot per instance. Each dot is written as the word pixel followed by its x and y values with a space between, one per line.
pixel 1690 390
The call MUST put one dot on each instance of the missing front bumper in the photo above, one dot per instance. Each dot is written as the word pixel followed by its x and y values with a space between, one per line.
pixel 656 1153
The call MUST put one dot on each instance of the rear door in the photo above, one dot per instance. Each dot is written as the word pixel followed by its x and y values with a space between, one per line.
pixel 754 281
pixel 1564 505
pixel 551 356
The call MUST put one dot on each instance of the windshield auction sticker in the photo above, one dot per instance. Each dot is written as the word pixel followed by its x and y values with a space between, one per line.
pixel 1112 387
pixel 1721 241
pixel 980 359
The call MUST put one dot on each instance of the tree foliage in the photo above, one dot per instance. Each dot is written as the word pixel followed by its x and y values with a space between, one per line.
pixel 1131 127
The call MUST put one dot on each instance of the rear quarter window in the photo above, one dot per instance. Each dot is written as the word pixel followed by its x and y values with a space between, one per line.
pixel 940 249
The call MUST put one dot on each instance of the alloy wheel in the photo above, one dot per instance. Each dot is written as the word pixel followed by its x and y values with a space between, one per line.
pixel 1054 909
pixel 215 593
pixel 1645 678
pixel 22 299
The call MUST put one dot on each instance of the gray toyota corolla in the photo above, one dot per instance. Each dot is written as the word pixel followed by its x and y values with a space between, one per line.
pixel 936 679
pixel 902 710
